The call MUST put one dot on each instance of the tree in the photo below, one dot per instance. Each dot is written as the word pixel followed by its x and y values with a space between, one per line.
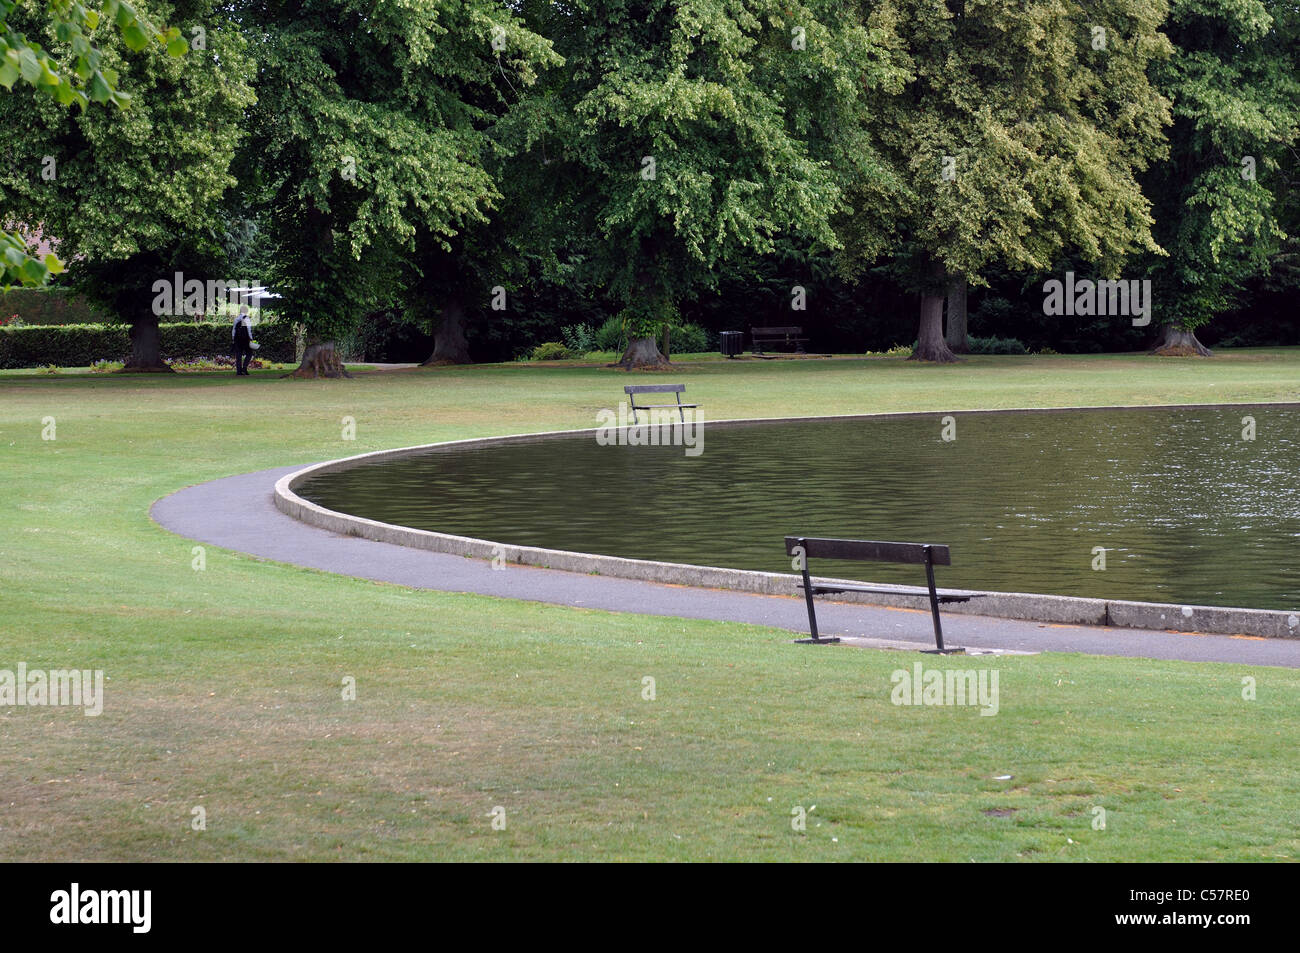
pixel 1217 199
pixel 371 140
pixel 1018 133
pixel 84 80
pixel 684 137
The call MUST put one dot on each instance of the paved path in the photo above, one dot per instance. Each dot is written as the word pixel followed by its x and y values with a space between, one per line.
pixel 238 513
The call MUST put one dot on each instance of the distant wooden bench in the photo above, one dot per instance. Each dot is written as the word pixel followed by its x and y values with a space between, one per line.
pixel 779 337
pixel 677 389
pixel 927 554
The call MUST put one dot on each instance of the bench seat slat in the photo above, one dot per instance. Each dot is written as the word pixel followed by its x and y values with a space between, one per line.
pixel 918 593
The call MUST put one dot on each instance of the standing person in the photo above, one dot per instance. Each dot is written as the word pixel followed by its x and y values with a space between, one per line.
pixel 241 341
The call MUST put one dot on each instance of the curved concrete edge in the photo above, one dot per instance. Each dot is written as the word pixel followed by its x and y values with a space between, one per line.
pixel 1031 607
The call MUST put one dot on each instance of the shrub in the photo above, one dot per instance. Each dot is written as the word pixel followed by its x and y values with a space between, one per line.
pixel 690 339
pixel 996 346
pixel 579 338
pixel 552 351
pixel 610 337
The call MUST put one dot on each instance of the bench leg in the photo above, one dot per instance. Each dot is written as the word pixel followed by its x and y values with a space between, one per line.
pixel 934 601
pixel 807 594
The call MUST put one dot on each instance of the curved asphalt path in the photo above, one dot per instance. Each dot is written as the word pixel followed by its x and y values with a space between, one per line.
pixel 238 513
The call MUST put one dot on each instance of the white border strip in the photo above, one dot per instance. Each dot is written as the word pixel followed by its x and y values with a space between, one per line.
pixel 1011 605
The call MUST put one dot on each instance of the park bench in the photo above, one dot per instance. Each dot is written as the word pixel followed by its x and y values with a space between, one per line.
pixel 676 389
pixel 779 337
pixel 927 554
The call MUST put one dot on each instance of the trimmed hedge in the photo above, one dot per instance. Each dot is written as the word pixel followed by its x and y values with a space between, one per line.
pixel 80 345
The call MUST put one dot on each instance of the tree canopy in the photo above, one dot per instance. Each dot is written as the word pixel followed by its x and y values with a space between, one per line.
pixel 1017 135
pixel 86 77
pixel 642 158
pixel 685 136
pixel 1232 79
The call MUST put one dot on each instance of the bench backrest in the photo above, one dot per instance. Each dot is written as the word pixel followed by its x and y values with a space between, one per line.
pixel 869 550
pixel 655 389
pixel 775 331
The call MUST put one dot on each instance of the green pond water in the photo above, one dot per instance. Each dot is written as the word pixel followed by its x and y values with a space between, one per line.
pixel 1186 509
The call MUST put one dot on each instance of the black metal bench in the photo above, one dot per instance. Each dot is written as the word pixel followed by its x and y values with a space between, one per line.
pixel 678 389
pixel 927 554
pixel 773 337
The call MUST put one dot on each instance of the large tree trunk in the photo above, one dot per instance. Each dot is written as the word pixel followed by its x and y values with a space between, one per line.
pixel 146 347
pixel 930 345
pixel 1179 342
pixel 320 360
pixel 449 343
pixel 955 334
pixel 642 353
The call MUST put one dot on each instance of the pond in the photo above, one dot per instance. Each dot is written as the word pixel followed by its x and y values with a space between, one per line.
pixel 1186 507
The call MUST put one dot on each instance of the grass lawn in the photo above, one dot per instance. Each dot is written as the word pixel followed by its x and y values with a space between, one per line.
pixel 224 686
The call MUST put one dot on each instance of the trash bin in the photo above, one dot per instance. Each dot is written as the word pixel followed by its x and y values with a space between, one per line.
pixel 733 343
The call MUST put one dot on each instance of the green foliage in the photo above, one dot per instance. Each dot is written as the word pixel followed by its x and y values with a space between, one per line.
pixel 610 336
pixel 553 351
pixel 996 345
pixel 646 316
pixel 76 345
pixel 579 338
pixel 690 339
pixel 399 156
pixel 372 144
pixel 19 267
pixel 1011 139
pixel 682 137
pixel 86 78
pixel 1236 120
pixel 136 194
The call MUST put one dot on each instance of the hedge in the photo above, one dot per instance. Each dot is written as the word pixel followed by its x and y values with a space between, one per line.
pixel 80 345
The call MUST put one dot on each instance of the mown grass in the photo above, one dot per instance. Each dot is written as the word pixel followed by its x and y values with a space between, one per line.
pixel 225 686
